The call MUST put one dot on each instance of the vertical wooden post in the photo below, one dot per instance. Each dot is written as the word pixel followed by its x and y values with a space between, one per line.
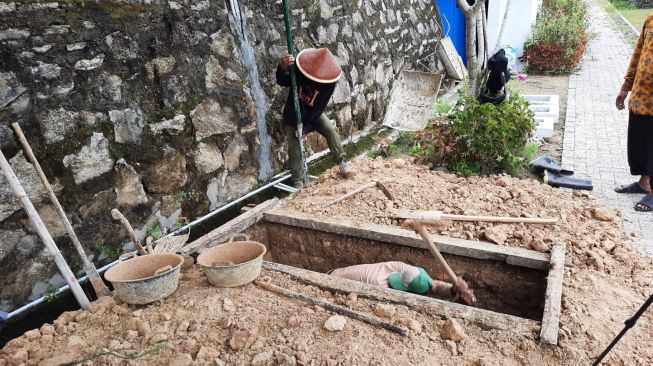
pixel 42 231
pixel 93 276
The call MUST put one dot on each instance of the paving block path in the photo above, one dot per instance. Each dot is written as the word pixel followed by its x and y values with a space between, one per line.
pixel 594 143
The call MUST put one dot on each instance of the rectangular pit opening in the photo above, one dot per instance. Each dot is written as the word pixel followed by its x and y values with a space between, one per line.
pixel 516 288
pixel 498 286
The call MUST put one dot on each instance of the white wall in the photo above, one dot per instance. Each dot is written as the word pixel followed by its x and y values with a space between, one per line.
pixel 521 17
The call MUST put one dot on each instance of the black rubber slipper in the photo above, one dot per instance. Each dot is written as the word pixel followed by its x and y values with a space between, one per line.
pixel 647 202
pixel 630 188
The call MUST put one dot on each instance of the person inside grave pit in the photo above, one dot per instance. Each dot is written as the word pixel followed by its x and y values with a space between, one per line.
pixel 318 71
pixel 404 277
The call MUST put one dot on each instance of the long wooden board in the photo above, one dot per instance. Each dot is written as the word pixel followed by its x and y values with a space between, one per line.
pixel 467 248
pixel 235 226
pixel 553 297
pixel 484 319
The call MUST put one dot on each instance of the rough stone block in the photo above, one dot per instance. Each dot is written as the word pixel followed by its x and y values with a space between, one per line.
pixel 10 88
pixel 210 118
pixel 128 125
pixel 91 161
pixel 30 181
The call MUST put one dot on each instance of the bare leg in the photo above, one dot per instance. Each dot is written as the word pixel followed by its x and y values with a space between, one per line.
pixel 645 182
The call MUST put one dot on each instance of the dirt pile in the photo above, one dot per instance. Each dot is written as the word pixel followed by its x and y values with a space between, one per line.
pixel 606 280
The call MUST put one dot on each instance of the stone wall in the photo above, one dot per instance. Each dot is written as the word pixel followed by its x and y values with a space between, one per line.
pixel 152 107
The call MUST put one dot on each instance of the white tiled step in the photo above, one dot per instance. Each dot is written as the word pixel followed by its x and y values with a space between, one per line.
pixel 546 110
pixel 544 127
pixel 542 99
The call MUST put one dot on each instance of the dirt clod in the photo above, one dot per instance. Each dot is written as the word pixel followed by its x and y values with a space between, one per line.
pixel 335 323
pixel 263 358
pixel 453 330
pixel 384 310
pixel 181 360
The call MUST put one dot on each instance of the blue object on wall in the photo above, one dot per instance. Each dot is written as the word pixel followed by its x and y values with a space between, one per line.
pixel 453 21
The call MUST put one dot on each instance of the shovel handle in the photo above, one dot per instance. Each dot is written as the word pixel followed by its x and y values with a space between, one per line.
pixel 427 238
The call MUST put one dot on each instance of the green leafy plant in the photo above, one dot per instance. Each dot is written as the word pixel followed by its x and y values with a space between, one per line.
pixel 314 7
pixel 181 197
pixel 442 107
pixel 111 253
pixel 480 138
pixel 155 231
pixel 374 153
pixel 51 293
pixel 559 37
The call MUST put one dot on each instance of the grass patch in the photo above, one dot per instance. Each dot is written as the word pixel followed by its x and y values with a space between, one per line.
pixel 629 36
pixel 636 17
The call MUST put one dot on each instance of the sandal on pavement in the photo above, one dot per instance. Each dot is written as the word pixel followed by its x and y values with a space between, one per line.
pixel 630 188
pixel 645 204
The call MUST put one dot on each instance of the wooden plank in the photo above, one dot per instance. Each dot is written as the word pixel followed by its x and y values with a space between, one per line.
pixel 396 235
pixel 553 297
pixel 484 319
pixel 235 226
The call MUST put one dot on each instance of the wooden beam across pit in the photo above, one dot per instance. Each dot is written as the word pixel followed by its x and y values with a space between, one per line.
pixel 466 248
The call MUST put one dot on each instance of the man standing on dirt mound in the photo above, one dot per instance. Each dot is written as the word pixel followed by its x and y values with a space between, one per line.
pixel 318 71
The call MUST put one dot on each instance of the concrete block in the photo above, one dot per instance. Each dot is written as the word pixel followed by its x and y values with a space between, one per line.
pixel 551 111
pixel 542 99
pixel 544 127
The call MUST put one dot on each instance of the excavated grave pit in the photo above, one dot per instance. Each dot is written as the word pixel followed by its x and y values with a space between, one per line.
pixel 499 287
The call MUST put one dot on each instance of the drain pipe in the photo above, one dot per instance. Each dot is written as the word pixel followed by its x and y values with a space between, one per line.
pixel 276 180
pixel 279 178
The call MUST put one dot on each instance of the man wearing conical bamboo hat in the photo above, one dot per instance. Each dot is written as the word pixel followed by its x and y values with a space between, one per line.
pixel 318 71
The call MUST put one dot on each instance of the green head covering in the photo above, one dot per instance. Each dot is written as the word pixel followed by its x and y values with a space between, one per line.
pixel 418 281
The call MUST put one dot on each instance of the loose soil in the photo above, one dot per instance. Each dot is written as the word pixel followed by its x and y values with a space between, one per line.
pixel 606 280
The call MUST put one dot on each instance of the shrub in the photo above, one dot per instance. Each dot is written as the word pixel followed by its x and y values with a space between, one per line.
pixel 480 138
pixel 559 37
pixel 624 4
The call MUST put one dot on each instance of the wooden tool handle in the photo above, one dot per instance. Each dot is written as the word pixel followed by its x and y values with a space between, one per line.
pixel 148 244
pixel 435 217
pixel 425 235
pixel 352 193
pixel 117 215
pixel 336 308
pixel 99 286
pixel 523 220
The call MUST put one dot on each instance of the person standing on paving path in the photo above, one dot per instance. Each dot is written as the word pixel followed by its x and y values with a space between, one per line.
pixel 639 82
pixel 318 73
pixel 404 277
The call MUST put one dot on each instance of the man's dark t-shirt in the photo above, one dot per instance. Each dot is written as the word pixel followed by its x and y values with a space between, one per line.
pixel 313 99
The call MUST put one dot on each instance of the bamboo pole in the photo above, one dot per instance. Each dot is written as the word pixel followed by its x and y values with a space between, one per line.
pixel 336 308
pixel 293 89
pixel 93 276
pixel 42 231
